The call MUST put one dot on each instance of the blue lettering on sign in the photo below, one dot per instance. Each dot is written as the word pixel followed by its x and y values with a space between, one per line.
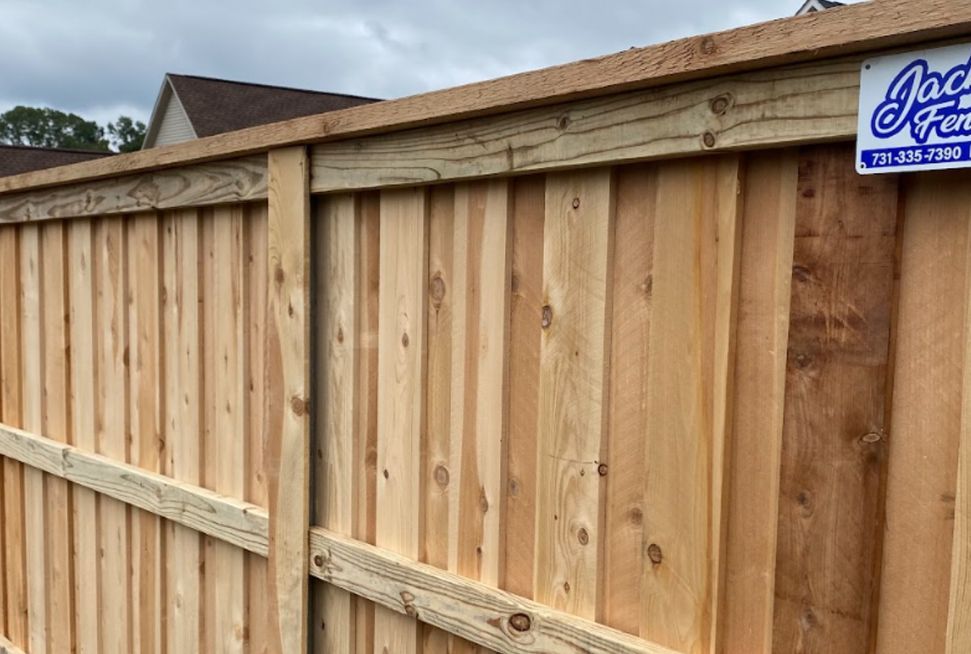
pixel 926 102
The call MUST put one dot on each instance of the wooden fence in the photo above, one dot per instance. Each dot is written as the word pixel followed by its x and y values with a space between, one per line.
pixel 615 357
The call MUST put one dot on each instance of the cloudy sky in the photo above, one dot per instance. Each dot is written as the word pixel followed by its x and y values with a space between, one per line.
pixel 102 58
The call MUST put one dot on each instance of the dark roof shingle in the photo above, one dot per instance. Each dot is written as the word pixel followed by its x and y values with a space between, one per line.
pixel 16 159
pixel 215 106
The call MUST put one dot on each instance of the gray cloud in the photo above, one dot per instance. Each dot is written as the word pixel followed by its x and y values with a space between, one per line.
pixel 105 57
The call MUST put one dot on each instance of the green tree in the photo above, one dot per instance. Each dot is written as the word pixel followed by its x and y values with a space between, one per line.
pixel 127 135
pixel 50 128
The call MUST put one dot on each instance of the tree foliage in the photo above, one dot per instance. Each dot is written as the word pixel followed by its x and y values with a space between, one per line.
pixel 44 127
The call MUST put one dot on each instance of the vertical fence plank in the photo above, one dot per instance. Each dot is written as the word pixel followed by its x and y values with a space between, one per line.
pixel 112 428
pixel 287 388
pixel 224 467
pixel 337 295
pixel 183 428
pixel 525 338
pixel 959 610
pixel 257 493
pixel 56 425
pixel 752 483
pixel 689 373
pixel 572 416
pixel 925 423
pixel 34 510
pixel 401 336
pixel 835 405
pixel 146 409
pixel 14 528
pixel 81 274
pixel 366 420
pixel 438 483
pixel 631 280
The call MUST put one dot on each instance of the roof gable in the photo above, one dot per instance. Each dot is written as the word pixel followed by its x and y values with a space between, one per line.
pixel 169 123
pixel 809 6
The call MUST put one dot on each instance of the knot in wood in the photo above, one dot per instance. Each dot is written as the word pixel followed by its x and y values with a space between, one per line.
pixel 547 316
pixel 708 138
pixel 441 476
pixel 602 469
pixel 708 46
pixel 408 600
pixel 298 405
pixel 654 553
pixel 722 103
pixel 583 536
pixel 562 122
pixel 520 622
pixel 319 560
pixel 404 339
pixel 872 437
pixel 436 289
pixel 576 203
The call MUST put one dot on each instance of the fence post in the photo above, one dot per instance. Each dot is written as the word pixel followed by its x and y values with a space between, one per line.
pixel 286 382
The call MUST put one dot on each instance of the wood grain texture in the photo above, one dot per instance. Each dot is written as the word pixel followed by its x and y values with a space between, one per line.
pixel 401 360
pixel 224 345
pixel 14 527
pixel 233 521
pixel 752 484
pixel 257 279
pixel 57 422
pixel 288 395
pixel 336 298
pixel 959 609
pixel 525 338
pixel 81 274
pixel 181 325
pixel 629 331
pixel 146 389
pixel 925 424
pixel 572 391
pixel 32 405
pixel 692 289
pixel 779 106
pixel 7 647
pixel 837 380
pixel 854 29
pixel 232 181
pixel 459 605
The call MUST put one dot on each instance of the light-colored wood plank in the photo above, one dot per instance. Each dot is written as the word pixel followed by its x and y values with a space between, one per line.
pixel 257 277
pixel 835 405
pixel 925 423
pixel 7 647
pixel 183 420
pixel 235 522
pixel 401 349
pixel 689 372
pixel 32 418
pixel 437 478
pixel 366 420
pixel 959 609
pixel 288 395
pixel 336 334
pixel 236 180
pixel 858 28
pixel 56 423
pixel 752 484
pixel 630 329
pixel 111 398
pixel 572 416
pixel 778 107
pixel 14 528
pixel 81 275
pixel 525 338
pixel 493 618
pixel 145 415
pixel 224 343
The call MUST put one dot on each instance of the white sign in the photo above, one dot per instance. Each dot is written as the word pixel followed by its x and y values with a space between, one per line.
pixel 915 111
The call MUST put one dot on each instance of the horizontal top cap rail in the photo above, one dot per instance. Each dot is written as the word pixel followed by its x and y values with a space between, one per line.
pixel 844 30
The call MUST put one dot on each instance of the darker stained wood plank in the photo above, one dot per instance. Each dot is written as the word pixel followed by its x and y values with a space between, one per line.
pixel 837 380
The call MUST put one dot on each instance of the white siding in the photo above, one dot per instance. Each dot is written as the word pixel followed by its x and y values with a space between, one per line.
pixel 174 126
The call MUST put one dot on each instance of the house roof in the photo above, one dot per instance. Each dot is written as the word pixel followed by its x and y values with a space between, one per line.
pixel 15 159
pixel 817 5
pixel 214 106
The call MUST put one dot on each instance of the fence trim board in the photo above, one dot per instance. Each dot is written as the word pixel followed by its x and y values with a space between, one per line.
pixel 778 107
pixel 235 180
pixel 459 605
pixel 235 522
pixel 6 647
pixel 844 30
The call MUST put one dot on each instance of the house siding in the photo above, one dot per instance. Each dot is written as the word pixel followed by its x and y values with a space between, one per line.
pixel 175 126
